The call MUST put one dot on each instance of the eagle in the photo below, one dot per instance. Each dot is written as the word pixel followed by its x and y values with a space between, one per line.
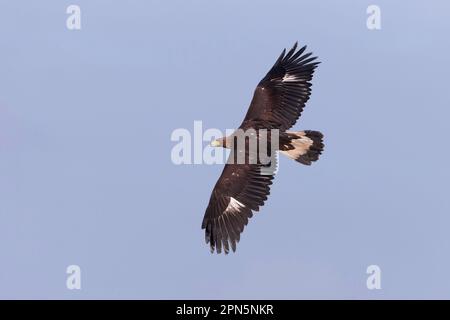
pixel 243 187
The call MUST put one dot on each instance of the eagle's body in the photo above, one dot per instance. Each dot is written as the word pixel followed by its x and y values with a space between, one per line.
pixel 243 187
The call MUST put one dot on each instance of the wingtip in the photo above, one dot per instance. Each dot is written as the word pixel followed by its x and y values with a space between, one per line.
pixel 283 53
pixel 295 45
pixel 291 52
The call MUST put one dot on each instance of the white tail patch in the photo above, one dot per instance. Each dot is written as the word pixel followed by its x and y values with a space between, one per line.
pixel 301 145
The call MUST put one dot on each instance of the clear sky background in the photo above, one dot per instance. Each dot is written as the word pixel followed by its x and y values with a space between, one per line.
pixel 86 176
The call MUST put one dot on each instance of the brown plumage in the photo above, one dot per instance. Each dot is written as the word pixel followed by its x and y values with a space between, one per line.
pixel 242 189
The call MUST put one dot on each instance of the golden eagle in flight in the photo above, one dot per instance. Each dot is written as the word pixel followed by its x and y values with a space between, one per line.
pixel 242 188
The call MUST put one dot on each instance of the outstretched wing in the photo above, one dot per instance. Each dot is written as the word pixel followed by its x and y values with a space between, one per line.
pixel 240 190
pixel 281 95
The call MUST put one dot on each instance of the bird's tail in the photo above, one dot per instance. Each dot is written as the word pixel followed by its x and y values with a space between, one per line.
pixel 304 147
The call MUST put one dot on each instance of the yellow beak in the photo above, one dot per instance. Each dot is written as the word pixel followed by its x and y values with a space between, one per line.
pixel 215 143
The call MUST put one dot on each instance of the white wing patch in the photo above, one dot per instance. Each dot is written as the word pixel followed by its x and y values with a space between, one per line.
pixel 234 206
pixel 289 78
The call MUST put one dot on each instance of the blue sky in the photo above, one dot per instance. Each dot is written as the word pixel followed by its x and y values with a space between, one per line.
pixel 86 176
